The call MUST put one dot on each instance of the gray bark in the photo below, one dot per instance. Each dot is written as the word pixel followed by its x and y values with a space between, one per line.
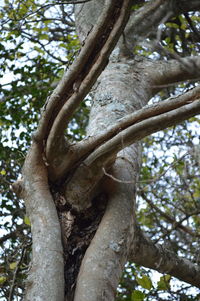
pixel 46 278
pixel 122 88
pixel 115 95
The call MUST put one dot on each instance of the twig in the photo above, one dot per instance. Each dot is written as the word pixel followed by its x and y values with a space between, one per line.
pixel 169 218
pixel 192 25
pixel 115 179
pixel 13 234
pixel 165 171
pixel 10 298
pixel 46 6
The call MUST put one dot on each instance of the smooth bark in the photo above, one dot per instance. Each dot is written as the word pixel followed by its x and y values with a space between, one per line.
pixel 46 277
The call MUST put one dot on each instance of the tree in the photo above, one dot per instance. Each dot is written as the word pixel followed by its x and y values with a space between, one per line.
pixel 80 195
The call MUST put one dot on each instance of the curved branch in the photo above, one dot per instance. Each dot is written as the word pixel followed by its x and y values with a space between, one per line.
pixel 83 149
pixel 68 88
pixel 65 88
pixel 47 247
pixel 141 129
pixel 110 28
pixel 90 171
pixel 147 254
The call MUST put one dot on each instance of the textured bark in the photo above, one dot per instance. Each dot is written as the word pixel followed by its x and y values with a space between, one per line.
pixel 115 95
pixel 48 281
pixel 104 260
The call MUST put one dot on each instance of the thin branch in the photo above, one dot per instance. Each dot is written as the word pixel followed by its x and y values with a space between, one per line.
pixel 46 6
pixel 115 179
pixel 169 218
pixel 197 33
pixel 144 128
pixel 155 179
pixel 10 298
pixel 13 234
pixel 33 39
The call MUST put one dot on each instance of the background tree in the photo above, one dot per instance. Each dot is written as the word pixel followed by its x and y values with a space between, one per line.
pixel 87 180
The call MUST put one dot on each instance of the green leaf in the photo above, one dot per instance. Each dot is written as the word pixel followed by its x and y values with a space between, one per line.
pixel 44 36
pixel 27 220
pixel 137 296
pixel 38 49
pixel 2 279
pixel 164 283
pixel 172 25
pixel 3 172
pixel 145 282
pixel 13 265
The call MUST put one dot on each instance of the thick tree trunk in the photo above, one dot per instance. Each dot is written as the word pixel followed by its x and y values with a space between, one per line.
pixel 121 89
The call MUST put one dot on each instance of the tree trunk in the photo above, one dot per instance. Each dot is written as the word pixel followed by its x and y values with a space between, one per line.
pixel 122 88
pixel 94 261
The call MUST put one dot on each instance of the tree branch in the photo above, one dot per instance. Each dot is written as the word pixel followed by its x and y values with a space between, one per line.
pixel 174 71
pixel 156 257
pixel 151 15
pixel 19 229
pixel 78 152
pixel 141 129
pixel 169 218
pixel 102 40
pixel 47 6
pixel 19 262
pixel 93 56
pixel 148 16
pixel 86 177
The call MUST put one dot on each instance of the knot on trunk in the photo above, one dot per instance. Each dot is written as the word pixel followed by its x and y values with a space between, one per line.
pixel 18 187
